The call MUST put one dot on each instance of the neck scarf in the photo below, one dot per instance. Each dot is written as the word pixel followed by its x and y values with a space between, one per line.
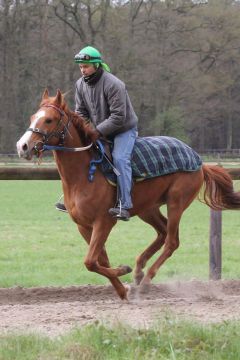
pixel 93 79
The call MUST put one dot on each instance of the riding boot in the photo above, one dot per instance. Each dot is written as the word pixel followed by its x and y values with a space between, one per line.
pixel 119 213
pixel 61 207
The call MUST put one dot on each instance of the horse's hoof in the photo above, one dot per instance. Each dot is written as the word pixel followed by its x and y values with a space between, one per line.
pixel 125 269
pixel 125 294
pixel 128 290
pixel 128 269
pixel 138 278
pixel 144 287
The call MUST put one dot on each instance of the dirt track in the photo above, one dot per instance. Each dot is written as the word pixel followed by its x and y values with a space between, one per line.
pixel 53 311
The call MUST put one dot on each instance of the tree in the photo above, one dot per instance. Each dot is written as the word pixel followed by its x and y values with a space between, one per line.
pixel 179 61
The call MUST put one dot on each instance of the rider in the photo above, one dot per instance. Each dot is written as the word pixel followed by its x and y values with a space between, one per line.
pixel 103 99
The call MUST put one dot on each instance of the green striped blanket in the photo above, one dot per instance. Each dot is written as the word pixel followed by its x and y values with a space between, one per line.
pixel 159 155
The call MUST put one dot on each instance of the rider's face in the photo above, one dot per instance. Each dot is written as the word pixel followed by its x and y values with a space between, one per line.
pixel 87 69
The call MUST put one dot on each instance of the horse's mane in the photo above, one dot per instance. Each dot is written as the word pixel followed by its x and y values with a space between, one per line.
pixel 84 128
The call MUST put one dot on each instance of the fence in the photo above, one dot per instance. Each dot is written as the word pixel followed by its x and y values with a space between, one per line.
pixel 220 154
pixel 28 173
pixel 215 237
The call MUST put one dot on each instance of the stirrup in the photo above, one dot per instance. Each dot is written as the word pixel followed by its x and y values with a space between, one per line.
pixel 119 213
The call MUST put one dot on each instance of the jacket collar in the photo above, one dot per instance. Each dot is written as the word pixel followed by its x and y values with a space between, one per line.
pixel 94 78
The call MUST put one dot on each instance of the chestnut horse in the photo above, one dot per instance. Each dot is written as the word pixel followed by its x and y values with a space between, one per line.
pixel 88 202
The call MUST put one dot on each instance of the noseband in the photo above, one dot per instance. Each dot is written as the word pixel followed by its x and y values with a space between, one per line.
pixel 56 133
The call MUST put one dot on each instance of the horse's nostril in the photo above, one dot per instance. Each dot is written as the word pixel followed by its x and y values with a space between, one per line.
pixel 25 147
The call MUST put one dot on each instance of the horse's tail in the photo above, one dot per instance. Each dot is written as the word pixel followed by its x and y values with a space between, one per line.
pixel 219 193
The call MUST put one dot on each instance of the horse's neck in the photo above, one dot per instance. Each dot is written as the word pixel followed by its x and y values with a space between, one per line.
pixel 72 165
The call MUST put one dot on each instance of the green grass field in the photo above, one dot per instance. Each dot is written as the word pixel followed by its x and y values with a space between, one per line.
pixel 169 340
pixel 40 246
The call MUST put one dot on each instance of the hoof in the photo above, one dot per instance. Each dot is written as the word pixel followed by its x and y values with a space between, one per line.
pixel 125 269
pixel 138 278
pixel 128 290
pixel 124 295
pixel 144 287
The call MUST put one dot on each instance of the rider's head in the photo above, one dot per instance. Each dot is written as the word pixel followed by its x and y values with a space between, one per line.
pixel 89 60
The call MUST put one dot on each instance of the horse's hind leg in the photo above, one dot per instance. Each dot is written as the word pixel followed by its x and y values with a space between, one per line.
pixel 178 197
pixel 159 223
pixel 171 241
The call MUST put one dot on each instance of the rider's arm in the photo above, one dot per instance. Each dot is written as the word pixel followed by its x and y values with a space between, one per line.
pixel 80 106
pixel 116 97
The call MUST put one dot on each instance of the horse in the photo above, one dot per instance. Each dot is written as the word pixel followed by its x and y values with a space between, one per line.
pixel 88 202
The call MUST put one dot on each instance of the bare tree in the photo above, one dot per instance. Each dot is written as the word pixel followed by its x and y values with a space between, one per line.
pixel 179 60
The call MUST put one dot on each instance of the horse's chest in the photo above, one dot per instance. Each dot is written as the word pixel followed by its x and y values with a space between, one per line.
pixel 82 210
pixel 81 217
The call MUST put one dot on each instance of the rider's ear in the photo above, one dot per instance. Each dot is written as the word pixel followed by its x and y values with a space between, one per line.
pixel 58 98
pixel 45 95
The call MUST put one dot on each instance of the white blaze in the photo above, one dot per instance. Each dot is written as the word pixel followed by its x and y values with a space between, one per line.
pixel 26 136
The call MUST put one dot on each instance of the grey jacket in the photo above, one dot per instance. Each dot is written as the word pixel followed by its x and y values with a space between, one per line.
pixel 106 104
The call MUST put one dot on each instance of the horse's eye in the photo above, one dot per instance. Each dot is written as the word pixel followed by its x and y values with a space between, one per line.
pixel 48 121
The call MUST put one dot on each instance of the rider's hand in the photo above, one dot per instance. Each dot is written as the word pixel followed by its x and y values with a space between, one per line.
pixel 96 135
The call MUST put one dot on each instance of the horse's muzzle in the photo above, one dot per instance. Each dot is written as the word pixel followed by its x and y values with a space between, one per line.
pixel 24 151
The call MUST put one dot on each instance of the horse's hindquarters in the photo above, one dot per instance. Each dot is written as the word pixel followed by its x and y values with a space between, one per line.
pixel 182 186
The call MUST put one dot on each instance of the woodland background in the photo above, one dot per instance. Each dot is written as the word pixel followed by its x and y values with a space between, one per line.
pixel 179 59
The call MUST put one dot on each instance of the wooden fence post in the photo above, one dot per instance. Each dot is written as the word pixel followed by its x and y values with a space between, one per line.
pixel 215 245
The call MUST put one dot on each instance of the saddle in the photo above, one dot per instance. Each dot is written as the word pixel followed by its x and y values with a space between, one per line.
pixel 152 156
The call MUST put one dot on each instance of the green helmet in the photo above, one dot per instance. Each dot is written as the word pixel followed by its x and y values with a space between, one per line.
pixel 90 55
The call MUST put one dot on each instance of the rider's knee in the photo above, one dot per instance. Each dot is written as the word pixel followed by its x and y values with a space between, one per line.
pixel 120 159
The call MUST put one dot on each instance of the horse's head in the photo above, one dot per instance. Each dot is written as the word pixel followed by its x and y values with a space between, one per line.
pixel 47 126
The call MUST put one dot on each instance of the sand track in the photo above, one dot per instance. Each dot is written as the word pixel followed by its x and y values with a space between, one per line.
pixel 55 310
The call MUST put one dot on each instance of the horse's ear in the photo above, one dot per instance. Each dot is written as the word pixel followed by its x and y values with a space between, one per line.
pixel 45 95
pixel 58 98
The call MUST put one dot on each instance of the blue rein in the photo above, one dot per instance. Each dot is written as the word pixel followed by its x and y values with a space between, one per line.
pixel 93 163
pixel 63 148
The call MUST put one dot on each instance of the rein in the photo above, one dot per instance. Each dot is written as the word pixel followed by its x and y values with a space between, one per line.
pixel 63 148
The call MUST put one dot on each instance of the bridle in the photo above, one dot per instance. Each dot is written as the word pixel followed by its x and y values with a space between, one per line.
pixel 60 134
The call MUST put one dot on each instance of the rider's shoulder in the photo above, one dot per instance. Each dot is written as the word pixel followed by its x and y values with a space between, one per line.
pixel 79 82
pixel 112 80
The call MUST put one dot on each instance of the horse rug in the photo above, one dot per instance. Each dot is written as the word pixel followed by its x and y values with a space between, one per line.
pixel 156 156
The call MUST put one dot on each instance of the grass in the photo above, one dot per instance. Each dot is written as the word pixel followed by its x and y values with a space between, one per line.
pixel 40 246
pixel 170 339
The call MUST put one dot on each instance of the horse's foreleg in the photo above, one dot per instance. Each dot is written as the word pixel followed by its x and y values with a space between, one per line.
pixel 97 260
pixel 159 222
pixel 116 283
pixel 103 260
